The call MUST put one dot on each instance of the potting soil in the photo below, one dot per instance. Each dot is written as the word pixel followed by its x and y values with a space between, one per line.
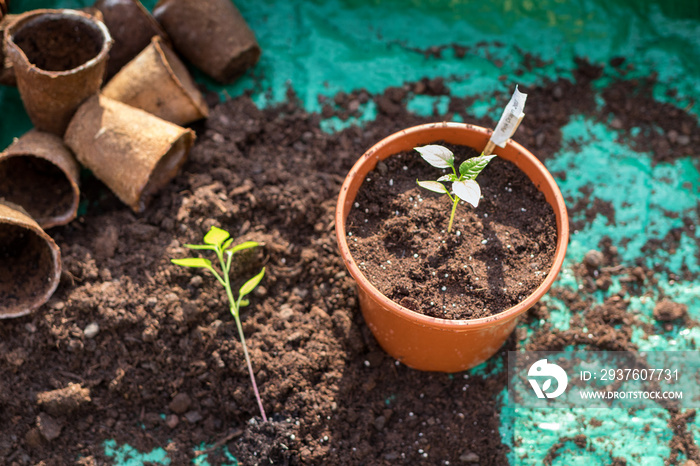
pixel 612 112
pixel 495 257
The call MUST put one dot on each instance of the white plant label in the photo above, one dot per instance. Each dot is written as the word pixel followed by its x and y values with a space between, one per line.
pixel 512 115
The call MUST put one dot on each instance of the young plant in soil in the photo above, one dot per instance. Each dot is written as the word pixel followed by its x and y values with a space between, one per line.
pixel 464 185
pixel 221 243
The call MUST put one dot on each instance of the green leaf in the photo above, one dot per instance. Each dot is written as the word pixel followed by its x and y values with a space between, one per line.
pixel 437 156
pixel 251 284
pixel 467 190
pixel 200 246
pixel 216 236
pixel 193 262
pixel 244 303
pixel 242 246
pixel 471 168
pixel 449 177
pixel 227 243
pixel 433 186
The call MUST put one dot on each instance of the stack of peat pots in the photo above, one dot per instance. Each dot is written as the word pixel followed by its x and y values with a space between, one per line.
pixel 129 133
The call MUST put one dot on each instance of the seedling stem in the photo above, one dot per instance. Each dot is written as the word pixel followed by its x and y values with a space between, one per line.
pixel 220 242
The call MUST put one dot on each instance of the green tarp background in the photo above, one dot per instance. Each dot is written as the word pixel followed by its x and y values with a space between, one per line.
pixel 322 47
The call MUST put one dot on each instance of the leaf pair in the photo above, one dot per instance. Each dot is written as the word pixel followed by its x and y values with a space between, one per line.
pixel 463 184
pixel 467 190
pixel 220 241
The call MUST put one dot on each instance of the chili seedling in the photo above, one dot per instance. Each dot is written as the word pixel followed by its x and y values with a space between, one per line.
pixel 464 185
pixel 221 243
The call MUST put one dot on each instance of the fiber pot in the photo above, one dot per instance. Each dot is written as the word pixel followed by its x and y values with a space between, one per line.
pixel 132 28
pixel 59 59
pixel 430 343
pixel 158 82
pixel 31 263
pixel 133 152
pixel 211 34
pixel 7 74
pixel 39 173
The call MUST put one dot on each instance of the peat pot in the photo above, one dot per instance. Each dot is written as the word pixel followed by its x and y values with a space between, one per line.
pixel 132 151
pixel 59 59
pixel 158 82
pixel 131 27
pixel 31 263
pixel 431 343
pixel 211 34
pixel 39 173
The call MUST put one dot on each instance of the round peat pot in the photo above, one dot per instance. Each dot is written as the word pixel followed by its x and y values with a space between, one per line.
pixel 430 343
pixel 132 28
pixel 7 74
pixel 131 151
pixel 212 34
pixel 31 263
pixel 59 59
pixel 39 173
pixel 158 82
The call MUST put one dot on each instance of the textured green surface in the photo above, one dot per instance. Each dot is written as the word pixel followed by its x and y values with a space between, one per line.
pixel 322 47
pixel 125 455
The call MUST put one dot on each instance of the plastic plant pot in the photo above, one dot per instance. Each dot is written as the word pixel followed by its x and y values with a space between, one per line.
pixel 158 82
pixel 430 343
pixel 131 151
pixel 132 28
pixel 31 263
pixel 212 34
pixel 59 59
pixel 39 173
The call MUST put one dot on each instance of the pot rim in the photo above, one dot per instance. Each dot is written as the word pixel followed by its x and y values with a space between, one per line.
pixel 559 208
pixel 162 50
pixel 23 18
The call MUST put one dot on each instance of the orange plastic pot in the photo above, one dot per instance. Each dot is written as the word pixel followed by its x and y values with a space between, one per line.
pixel 430 343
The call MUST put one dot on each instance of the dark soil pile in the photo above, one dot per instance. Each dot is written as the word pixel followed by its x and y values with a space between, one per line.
pixel 496 255
pixel 155 357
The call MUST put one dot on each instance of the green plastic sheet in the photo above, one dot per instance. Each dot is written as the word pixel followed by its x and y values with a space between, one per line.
pixel 323 47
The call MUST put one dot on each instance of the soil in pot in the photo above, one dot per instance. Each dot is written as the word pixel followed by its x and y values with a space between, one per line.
pixel 55 45
pixel 496 255
pixel 36 184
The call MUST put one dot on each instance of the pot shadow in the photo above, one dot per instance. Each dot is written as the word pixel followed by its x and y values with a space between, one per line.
pixel 387 412
pixel 495 275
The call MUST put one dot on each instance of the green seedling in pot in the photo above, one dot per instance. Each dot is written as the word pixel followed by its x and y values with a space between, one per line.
pixel 221 243
pixel 464 185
